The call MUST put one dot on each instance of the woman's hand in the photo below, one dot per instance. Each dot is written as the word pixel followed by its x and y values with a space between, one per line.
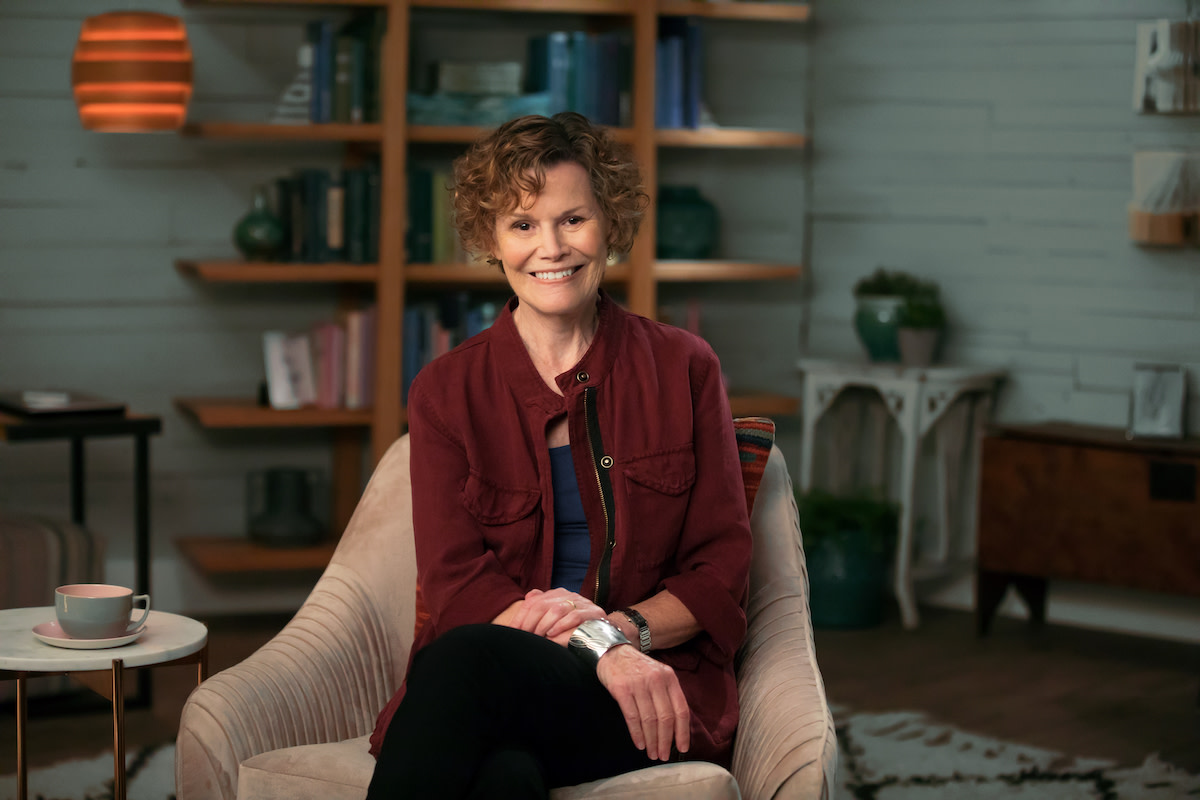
pixel 553 614
pixel 650 698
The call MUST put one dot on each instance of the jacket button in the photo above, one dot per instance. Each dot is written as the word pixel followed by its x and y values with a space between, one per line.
pixel 582 376
pixel 606 462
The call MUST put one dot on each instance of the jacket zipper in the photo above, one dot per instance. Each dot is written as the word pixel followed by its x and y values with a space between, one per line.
pixel 603 482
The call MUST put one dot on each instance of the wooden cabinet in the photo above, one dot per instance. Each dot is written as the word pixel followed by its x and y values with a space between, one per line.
pixel 1080 503
pixel 393 281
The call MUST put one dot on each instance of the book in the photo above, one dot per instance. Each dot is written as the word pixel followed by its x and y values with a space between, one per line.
pixel 442 232
pixel 289 369
pixel 320 35
pixel 477 77
pixel 335 227
pixel 693 72
pixel 355 216
pixel 549 68
pixel 374 207
pixel 55 402
pixel 343 77
pixel 419 236
pixel 329 345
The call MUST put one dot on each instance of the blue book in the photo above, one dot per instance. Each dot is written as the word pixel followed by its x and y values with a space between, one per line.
pixel 608 77
pixel 670 77
pixel 549 68
pixel 324 67
pixel 579 91
pixel 412 359
pixel 693 83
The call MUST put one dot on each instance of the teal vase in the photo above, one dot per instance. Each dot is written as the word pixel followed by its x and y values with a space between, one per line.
pixel 846 575
pixel 877 322
pixel 686 224
pixel 258 236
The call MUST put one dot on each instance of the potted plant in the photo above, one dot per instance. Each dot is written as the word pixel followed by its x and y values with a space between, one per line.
pixel 922 322
pixel 847 539
pixel 879 298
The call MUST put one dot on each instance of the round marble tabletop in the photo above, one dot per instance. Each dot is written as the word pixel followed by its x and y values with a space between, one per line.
pixel 165 638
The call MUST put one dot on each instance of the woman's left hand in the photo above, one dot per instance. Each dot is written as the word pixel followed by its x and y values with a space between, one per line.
pixel 554 614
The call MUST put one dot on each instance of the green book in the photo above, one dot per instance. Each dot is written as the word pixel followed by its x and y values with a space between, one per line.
pixel 343 78
pixel 355 217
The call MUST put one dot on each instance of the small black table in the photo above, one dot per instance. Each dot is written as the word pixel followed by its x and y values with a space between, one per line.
pixel 78 427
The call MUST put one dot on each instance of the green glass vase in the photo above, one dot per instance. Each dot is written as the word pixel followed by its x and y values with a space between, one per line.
pixel 686 224
pixel 877 323
pixel 258 236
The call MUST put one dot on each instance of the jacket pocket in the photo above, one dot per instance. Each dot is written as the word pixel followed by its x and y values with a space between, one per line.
pixel 658 492
pixel 506 517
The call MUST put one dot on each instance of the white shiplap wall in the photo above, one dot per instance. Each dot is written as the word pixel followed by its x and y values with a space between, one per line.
pixel 985 144
pixel 988 145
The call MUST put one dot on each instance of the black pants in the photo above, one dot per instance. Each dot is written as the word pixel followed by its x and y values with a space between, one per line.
pixel 494 712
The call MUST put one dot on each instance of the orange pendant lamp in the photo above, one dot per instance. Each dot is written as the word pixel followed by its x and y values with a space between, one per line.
pixel 132 71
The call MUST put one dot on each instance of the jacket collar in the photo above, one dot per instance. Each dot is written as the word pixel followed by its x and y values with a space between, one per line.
pixel 596 363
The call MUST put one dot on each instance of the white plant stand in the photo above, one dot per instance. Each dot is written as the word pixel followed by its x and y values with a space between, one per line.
pixel 917 398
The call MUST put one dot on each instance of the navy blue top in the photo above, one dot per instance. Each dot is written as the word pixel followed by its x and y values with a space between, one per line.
pixel 572 546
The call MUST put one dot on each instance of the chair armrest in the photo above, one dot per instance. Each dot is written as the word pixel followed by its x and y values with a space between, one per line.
pixel 786 746
pixel 323 678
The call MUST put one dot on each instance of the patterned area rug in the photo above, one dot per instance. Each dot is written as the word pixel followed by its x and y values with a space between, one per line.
pixel 907 756
pixel 887 756
pixel 149 775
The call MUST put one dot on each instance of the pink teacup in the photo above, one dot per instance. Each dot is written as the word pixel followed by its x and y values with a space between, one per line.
pixel 98 610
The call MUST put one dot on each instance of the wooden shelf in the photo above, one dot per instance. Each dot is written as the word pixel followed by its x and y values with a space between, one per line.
pixel 216 412
pixel 466 134
pixel 763 404
pixel 695 271
pixel 771 12
pixel 555 6
pixel 229 555
pixel 244 131
pixel 729 137
pixel 481 275
pixel 288 2
pixel 264 272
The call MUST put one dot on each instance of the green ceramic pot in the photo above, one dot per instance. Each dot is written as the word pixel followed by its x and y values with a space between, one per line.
pixel 877 322
pixel 258 236
pixel 686 224
pixel 846 577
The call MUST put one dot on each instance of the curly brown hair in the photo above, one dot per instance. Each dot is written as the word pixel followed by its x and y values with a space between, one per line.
pixel 510 162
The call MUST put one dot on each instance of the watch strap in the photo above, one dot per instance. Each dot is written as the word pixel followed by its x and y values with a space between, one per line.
pixel 643 628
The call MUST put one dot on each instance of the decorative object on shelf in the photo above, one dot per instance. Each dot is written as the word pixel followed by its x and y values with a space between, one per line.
pixel 846 539
pixel 687 224
pixel 132 71
pixel 259 234
pixel 1165 73
pixel 279 507
pixel 922 325
pixel 296 101
pixel 880 298
pixel 1159 401
pixel 1166 197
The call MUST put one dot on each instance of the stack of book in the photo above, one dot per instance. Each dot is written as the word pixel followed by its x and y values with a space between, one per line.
pixel 330 366
pixel 346 68
pixel 433 329
pixel 331 216
pixel 679 71
pixel 590 73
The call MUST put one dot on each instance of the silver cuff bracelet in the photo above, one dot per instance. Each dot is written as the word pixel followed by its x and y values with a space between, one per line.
pixel 595 637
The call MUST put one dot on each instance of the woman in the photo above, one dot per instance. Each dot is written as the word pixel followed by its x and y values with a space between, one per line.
pixel 581 533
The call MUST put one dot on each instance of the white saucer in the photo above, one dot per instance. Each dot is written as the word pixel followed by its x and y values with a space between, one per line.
pixel 51 633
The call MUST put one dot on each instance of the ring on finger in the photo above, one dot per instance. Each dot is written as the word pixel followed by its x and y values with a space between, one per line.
pixel 571 603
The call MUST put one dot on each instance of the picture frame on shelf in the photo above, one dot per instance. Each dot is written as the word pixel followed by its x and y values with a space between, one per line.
pixel 1158 402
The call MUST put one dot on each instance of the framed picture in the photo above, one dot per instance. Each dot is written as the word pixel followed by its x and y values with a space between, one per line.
pixel 1159 401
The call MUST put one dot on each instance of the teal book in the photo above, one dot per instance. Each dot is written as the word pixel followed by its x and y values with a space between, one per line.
pixel 419 237
pixel 374 205
pixel 355 216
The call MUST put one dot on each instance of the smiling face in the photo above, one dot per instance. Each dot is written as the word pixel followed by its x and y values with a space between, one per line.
pixel 554 247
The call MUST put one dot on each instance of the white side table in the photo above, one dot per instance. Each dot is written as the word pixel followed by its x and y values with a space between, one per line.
pixel 168 639
pixel 917 398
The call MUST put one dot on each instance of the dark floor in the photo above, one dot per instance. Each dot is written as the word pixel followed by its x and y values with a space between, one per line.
pixel 1080 692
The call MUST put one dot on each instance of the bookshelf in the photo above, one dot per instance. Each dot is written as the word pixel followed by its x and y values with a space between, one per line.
pixel 391 279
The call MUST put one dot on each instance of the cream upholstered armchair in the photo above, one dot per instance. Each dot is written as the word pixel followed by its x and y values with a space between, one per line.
pixel 291 722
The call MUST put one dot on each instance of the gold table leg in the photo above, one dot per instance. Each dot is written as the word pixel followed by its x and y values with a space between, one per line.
pixel 22 752
pixel 118 706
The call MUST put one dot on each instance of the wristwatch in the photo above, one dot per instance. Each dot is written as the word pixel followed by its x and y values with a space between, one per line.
pixel 595 637
pixel 643 628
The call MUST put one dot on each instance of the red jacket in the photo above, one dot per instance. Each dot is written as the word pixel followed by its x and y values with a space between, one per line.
pixel 658 471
